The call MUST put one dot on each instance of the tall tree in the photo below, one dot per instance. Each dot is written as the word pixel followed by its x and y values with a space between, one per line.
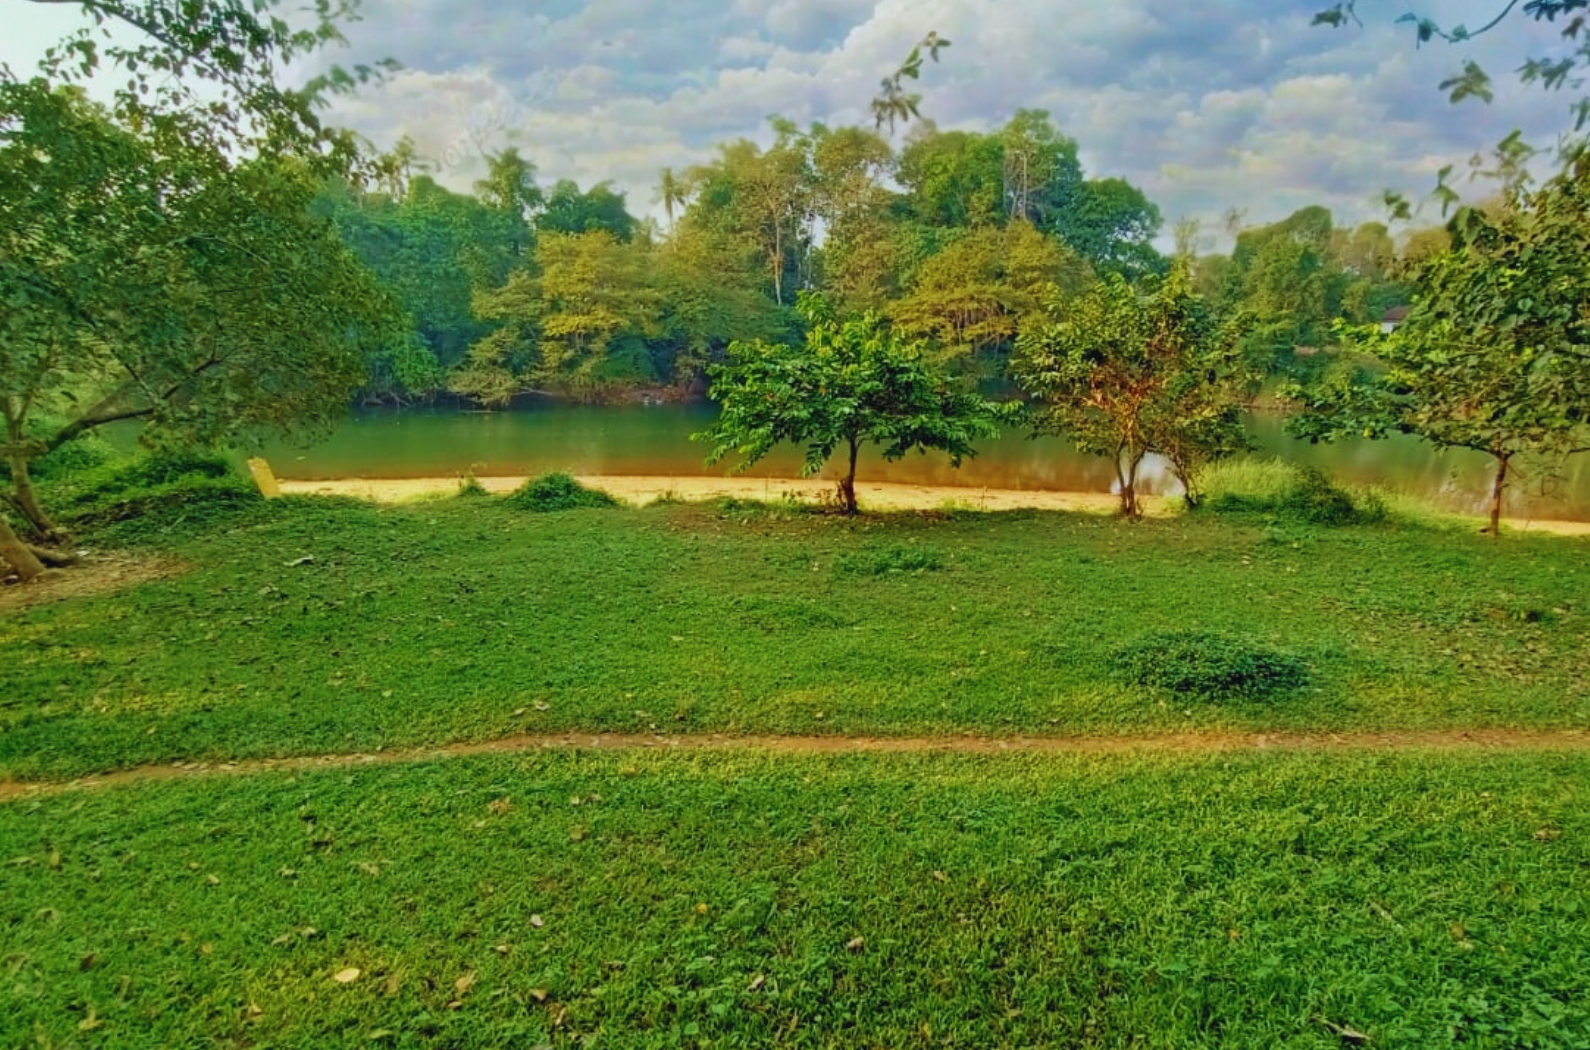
pixel 764 199
pixel 1112 224
pixel 1043 177
pixel 672 193
pixel 953 179
pixel 577 323
pixel 144 278
pixel 599 208
pixel 852 384
pixel 976 295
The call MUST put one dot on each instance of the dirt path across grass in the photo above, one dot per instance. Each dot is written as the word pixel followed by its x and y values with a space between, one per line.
pixel 1475 740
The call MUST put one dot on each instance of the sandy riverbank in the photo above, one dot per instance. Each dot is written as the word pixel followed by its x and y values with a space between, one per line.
pixel 642 490
pixel 882 496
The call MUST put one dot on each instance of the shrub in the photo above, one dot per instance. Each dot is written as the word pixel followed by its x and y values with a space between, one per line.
pixel 158 491
pixel 889 561
pixel 1210 665
pixel 1300 494
pixel 74 457
pixel 166 467
pixel 193 500
pixel 557 492
pixel 1313 498
pixel 469 487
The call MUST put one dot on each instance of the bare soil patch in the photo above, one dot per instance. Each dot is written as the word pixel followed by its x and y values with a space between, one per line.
pixel 1476 740
pixel 98 573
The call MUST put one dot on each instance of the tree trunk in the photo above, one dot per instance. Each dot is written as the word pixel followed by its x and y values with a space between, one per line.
pixel 847 486
pixel 16 553
pixel 27 501
pixel 1498 490
pixel 1126 477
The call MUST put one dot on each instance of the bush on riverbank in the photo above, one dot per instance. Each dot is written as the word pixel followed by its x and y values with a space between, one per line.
pixel 554 492
pixel 1303 495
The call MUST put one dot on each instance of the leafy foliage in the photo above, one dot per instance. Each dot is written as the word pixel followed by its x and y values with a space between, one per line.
pixel 893 560
pixel 1125 373
pixel 553 492
pixel 1495 354
pixel 853 383
pixel 149 276
pixel 1209 664
pixel 1563 70
pixel 1305 496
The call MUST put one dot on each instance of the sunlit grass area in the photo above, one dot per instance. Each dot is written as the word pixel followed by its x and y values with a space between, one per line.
pixel 306 626
pixel 648 900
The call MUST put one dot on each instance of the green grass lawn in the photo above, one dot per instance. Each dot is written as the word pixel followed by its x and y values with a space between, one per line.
pixel 465 619
pixel 656 900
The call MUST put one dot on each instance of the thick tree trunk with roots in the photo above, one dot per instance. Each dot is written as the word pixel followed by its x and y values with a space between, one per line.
pixel 26 501
pixel 1498 492
pixel 847 484
pixel 18 554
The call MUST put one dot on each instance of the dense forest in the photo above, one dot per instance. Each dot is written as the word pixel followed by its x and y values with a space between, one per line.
pixel 957 238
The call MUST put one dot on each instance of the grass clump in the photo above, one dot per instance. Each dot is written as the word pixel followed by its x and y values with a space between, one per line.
pixel 1302 495
pixel 1208 664
pixel 893 560
pixel 469 487
pixel 154 492
pixel 553 492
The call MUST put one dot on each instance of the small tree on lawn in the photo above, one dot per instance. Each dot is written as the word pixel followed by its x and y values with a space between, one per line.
pixel 1124 372
pixel 853 383
pixel 1495 353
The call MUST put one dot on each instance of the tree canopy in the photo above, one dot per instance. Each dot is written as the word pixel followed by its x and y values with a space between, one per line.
pixel 1125 372
pixel 1495 353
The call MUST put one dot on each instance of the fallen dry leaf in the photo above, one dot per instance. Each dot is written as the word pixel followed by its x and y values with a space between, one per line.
pixel 756 983
pixel 1547 835
pixel 857 943
pixel 537 921
pixel 347 976
pixel 539 994
pixel 502 805
pixel 503 949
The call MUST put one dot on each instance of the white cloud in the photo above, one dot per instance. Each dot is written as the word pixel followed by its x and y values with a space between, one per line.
pixel 1206 106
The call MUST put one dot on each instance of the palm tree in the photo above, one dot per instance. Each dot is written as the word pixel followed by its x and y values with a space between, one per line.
pixel 671 191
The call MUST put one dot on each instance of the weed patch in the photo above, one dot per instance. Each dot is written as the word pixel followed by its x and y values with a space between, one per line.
pixel 1210 665
pixel 893 560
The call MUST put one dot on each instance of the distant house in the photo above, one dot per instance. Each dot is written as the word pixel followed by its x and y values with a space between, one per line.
pixel 1393 319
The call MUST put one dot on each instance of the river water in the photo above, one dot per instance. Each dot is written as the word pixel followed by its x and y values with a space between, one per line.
pixel 655 441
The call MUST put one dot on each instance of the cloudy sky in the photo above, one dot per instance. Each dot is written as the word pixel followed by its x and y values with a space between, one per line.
pixel 1208 105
